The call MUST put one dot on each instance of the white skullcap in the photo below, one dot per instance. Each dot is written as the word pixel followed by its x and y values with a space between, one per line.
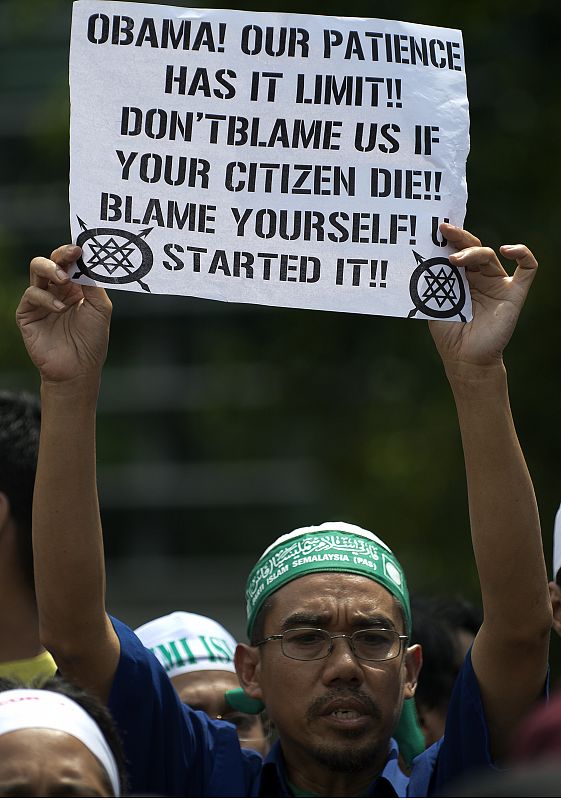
pixel 38 708
pixel 557 544
pixel 341 527
pixel 184 642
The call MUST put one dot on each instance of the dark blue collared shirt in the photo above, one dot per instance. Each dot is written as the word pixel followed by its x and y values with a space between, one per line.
pixel 391 783
pixel 174 751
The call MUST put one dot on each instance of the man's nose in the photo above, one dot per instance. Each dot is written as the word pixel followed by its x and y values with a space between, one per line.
pixel 341 664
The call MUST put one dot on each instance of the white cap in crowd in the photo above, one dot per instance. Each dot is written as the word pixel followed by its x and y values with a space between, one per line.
pixel 184 642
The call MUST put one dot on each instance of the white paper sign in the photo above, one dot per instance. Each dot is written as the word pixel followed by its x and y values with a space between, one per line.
pixel 281 159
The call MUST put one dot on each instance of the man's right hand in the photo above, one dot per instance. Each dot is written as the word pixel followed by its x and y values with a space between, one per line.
pixel 65 326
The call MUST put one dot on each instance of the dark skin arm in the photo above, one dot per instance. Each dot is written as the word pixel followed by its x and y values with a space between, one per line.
pixel 510 651
pixel 65 328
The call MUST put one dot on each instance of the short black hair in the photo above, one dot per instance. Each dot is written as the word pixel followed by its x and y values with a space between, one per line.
pixel 458 613
pixel 20 426
pixel 436 621
pixel 92 706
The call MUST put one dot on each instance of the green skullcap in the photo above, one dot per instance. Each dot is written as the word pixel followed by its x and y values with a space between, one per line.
pixel 331 547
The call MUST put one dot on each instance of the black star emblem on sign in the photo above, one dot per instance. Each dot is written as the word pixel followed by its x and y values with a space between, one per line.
pixel 440 287
pixel 437 289
pixel 110 255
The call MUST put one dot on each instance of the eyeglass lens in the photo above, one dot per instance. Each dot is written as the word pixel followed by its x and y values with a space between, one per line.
pixel 307 644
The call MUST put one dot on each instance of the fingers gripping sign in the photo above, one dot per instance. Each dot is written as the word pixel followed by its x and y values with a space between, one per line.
pixel 497 299
pixel 64 326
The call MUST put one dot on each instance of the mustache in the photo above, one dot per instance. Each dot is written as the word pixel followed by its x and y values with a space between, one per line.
pixel 319 704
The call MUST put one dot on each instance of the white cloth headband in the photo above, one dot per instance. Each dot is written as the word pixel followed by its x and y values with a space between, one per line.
pixel 38 708
pixel 184 642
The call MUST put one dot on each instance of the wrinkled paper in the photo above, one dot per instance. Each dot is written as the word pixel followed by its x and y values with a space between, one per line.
pixel 281 159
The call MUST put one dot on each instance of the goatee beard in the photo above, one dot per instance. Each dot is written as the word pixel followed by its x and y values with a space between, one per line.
pixel 346 755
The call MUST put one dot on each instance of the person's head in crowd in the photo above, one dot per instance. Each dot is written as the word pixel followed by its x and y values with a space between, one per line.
pixel 57 741
pixel 555 584
pixel 21 654
pixel 198 656
pixel 462 618
pixel 328 623
pixel 445 627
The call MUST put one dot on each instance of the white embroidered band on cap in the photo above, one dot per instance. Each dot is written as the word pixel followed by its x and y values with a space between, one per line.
pixel 329 547
pixel 185 642
pixel 38 708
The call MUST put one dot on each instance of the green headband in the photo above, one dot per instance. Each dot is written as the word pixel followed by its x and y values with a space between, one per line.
pixel 331 547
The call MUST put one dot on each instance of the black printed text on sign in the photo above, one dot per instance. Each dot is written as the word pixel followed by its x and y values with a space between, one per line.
pixel 280 159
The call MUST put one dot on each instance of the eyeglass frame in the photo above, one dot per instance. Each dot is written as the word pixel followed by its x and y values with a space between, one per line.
pixel 350 636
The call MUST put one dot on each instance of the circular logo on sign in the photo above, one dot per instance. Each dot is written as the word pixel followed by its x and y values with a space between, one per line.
pixel 110 255
pixel 437 289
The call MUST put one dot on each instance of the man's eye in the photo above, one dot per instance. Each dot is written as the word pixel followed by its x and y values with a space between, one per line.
pixel 376 642
pixel 307 638
pixel 371 638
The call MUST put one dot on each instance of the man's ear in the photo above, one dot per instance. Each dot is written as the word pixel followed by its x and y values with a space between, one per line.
pixel 248 666
pixel 413 664
pixel 555 595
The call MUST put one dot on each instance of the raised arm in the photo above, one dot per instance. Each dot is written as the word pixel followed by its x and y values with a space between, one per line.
pixel 65 328
pixel 510 651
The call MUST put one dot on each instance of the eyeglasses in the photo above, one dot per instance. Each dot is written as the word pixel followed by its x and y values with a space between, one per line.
pixel 311 644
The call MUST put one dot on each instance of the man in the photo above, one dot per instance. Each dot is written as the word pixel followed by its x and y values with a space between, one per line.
pixel 335 709
pixel 21 654
pixel 197 654
pixel 57 741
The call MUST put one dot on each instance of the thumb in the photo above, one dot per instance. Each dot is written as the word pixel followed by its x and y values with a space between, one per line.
pixel 98 298
pixel 526 264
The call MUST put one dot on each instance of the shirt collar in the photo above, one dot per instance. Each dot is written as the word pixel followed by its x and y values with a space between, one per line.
pixel 274 783
pixel 392 774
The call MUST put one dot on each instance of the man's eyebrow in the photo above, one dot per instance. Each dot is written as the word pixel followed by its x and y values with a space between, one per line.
pixel 375 621
pixel 316 619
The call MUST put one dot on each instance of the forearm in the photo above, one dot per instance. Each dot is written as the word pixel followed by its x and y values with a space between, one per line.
pixel 502 505
pixel 67 538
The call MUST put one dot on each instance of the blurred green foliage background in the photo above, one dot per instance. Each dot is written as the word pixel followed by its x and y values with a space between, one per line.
pixel 223 426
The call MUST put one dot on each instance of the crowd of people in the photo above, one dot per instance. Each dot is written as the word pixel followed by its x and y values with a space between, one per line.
pixel 320 700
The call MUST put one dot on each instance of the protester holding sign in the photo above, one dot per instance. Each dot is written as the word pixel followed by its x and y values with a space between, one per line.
pixel 334 692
